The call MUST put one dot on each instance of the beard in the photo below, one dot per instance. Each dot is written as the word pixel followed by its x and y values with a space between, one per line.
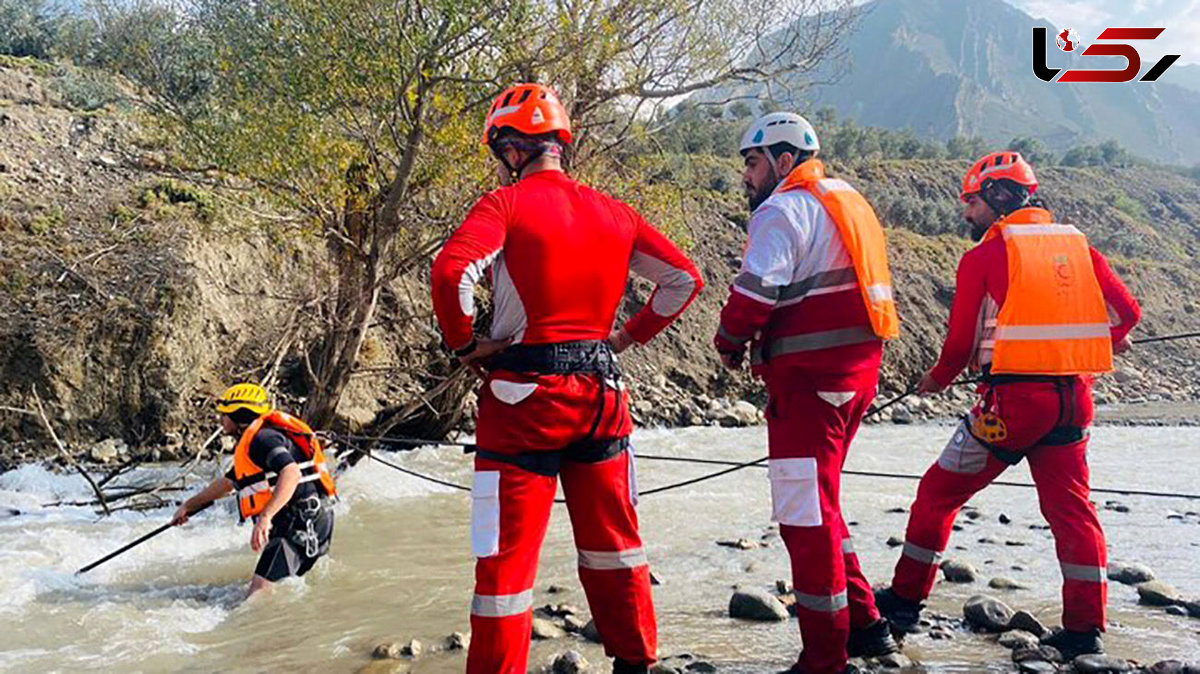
pixel 977 230
pixel 757 197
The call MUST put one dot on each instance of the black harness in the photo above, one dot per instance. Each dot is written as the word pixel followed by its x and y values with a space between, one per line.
pixel 1062 433
pixel 591 357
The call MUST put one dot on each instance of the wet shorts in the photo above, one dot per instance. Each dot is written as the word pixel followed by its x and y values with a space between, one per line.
pixel 286 553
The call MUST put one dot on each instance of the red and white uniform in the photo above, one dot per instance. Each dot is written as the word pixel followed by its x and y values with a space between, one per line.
pixel 1029 410
pixel 560 255
pixel 797 301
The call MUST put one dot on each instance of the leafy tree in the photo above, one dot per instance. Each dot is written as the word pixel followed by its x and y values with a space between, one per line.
pixel 29 27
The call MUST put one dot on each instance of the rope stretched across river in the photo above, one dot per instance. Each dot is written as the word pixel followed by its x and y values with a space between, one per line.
pixel 732 467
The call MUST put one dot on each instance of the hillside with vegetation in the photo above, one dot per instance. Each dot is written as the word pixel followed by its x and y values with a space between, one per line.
pixel 141 270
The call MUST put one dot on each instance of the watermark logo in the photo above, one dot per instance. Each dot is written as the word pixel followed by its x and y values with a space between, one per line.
pixel 1106 45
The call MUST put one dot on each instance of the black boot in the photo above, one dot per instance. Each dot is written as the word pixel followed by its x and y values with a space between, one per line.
pixel 1071 644
pixel 904 615
pixel 622 667
pixel 871 641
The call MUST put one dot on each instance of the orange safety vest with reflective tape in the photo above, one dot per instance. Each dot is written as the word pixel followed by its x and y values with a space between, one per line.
pixel 863 237
pixel 1054 320
pixel 255 485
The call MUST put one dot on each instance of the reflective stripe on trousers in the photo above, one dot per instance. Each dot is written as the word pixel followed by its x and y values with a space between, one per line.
pixel 503 605
pixel 823 603
pixel 607 561
pixel 1094 574
pixel 923 555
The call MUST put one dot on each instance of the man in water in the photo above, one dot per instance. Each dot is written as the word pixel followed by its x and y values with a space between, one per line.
pixel 813 299
pixel 552 402
pixel 1031 311
pixel 282 482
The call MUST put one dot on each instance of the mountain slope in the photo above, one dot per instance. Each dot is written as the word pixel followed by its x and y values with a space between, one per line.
pixel 963 67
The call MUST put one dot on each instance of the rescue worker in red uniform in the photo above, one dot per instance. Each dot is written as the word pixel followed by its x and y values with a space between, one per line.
pixel 813 300
pixel 552 402
pixel 282 483
pixel 1031 311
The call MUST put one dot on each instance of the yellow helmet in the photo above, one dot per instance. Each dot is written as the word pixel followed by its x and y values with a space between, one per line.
pixel 244 397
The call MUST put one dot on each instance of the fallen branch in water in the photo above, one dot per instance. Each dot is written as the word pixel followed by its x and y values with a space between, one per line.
pixel 62 450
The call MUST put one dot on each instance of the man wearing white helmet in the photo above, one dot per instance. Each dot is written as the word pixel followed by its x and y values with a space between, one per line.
pixel 813 302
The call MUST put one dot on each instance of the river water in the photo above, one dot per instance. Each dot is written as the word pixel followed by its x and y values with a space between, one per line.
pixel 401 566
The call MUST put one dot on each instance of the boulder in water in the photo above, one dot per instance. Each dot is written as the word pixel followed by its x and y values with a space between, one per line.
pixel 108 450
pixel 894 541
pixel 1046 654
pixel 1173 667
pixel 570 662
pixel 456 641
pixel 1193 607
pixel 987 613
pixel 1027 622
pixel 546 629
pixel 1128 573
pixel 412 649
pixel 1014 639
pixel 956 571
pixel 1157 593
pixel 388 651
pixel 1036 667
pixel 783 586
pixel 573 624
pixel 1001 583
pixel 1176 610
pixel 756 604
pixel 655 579
pixel 1005 519
pixel 1100 664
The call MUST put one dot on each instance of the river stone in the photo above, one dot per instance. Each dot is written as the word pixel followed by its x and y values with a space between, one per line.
pixel 1193 607
pixel 384 667
pixel 755 604
pixel 959 572
pixel 740 544
pixel 107 450
pixel 1040 654
pixel 456 641
pixel 987 613
pixel 1001 583
pixel 1157 593
pixel 1036 667
pixel 972 514
pixel 1100 664
pixel 897 510
pixel 1027 622
pixel 545 629
pixel 573 624
pixel 590 632
pixel 1005 519
pixel 412 649
pixel 570 662
pixel 1173 667
pixel 655 579
pixel 1129 574
pixel 388 651
pixel 894 541
pixel 783 586
pixel 902 416
pixel 1176 610
pixel 1014 639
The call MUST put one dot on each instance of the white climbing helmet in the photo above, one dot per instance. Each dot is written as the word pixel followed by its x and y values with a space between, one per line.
pixel 780 127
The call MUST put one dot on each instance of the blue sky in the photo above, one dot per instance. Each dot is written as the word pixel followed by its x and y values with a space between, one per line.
pixel 1181 18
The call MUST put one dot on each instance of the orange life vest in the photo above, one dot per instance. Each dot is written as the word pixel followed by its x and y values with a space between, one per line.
pixel 1054 319
pixel 255 485
pixel 862 235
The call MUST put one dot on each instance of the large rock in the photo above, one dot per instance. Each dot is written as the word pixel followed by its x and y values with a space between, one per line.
pixel 546 629
pixel 1017 639
pixel 1157 593
pixel 1173 667
pixel 570 662
pixel 1027 622
pixel 987 613
pixel 955 571
pixel 456 641
pixel 1128 573
pixel 755 604
pixel 1100 664
pixel 108 450
pixel 1039 654
pixel 1192 607
pixel 1001 583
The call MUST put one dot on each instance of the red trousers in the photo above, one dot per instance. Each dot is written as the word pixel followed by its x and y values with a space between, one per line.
pixel 809 434
pixel 1027 412
pixel 510 511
